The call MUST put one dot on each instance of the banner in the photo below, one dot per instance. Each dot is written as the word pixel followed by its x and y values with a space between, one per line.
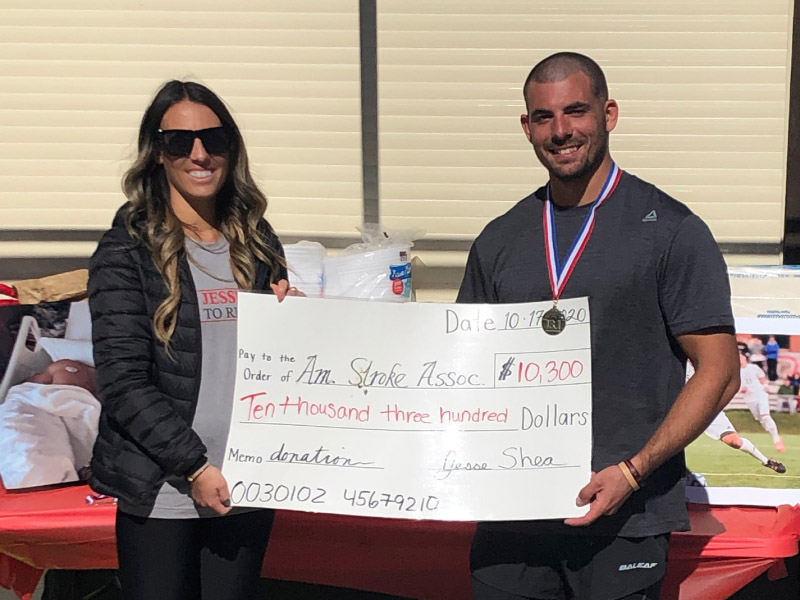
pixel 422 411
pixel 751 452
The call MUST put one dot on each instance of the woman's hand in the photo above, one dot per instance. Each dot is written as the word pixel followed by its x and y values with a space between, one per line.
pixel 283 289
pixel 210 490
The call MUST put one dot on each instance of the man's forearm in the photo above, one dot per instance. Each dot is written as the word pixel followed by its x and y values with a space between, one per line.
pixel 713 385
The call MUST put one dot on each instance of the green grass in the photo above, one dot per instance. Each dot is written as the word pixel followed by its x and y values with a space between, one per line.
pixel 745 423
pixel 724 466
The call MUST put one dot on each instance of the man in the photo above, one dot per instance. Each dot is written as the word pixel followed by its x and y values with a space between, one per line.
pixel 792 382
pixel 757 400
pixel 772 350
pixel 722 429
pixel 658 293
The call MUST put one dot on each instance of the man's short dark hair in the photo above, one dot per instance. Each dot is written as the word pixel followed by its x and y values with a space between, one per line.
pixel 561 65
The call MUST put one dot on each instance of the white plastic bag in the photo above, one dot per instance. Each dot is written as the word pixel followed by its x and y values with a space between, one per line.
pixel 379 268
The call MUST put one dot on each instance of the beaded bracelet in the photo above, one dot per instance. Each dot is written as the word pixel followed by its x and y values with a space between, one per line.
pixel 634 471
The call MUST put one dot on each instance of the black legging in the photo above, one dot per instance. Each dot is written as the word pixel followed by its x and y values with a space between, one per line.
pixel 191 559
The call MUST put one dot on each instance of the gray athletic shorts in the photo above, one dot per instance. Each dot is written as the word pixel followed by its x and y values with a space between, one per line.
pixel 561 567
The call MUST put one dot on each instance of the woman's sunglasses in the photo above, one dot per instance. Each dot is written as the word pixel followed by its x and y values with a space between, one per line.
pixel 179 142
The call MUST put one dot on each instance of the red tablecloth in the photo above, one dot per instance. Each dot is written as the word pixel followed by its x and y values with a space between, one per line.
pixel 727 547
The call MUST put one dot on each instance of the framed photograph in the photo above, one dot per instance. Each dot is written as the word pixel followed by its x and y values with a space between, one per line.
pixel 750 454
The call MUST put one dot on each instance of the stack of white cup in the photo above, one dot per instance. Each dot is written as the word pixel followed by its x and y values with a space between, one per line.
pixel 305 262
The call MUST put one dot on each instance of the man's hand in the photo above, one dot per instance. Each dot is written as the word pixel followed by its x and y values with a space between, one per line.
pixel 715 357
pixel 283 289
pixel 605 493
pixel 211 490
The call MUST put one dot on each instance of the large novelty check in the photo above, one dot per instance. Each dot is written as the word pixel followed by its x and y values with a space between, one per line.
pixel 424 411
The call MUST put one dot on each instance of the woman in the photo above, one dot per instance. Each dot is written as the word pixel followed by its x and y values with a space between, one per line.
pixel 162 292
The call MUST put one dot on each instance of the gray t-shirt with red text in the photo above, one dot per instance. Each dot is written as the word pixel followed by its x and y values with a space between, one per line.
pixel 217 295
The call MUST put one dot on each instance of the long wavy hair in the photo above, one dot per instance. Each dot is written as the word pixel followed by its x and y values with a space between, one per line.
pixel 151 221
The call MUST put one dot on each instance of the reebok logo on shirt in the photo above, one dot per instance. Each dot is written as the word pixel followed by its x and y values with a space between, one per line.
pixel 631 566
pixel 650 217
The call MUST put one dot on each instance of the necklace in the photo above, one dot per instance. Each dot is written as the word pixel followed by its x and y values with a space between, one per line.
pixel 202 269
pixel 554 320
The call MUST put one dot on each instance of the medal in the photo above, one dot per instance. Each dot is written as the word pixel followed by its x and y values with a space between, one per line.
pixel 554 321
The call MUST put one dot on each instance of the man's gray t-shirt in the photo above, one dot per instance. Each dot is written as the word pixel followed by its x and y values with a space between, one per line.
pixel 652 272
pixel 217 296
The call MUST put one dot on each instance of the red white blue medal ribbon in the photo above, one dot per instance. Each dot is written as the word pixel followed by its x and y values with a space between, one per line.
pixel 560 273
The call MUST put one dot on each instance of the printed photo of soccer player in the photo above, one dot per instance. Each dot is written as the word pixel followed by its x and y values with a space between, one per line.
pixel 761 422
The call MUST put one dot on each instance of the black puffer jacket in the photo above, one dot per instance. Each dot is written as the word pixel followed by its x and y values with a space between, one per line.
pixel 148 398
